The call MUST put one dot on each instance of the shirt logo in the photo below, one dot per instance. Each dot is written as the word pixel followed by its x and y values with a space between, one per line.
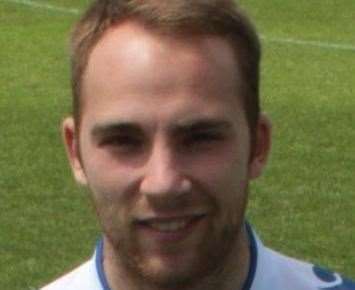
pixel 332 281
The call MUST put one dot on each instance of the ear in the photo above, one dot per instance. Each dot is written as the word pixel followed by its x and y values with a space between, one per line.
pixel 71 139
pixel 262 147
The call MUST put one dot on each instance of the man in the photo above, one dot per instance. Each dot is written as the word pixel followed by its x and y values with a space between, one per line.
pixel 167 134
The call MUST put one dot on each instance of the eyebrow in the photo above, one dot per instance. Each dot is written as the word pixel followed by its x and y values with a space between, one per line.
pixel 202 125
pixel 100 130
pixel 189 126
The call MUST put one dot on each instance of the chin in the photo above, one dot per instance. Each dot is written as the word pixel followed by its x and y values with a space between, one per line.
pixel 170 273
pixel 179 266
pixel 184 269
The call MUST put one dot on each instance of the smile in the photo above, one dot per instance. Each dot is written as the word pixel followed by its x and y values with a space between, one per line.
pixel 170 225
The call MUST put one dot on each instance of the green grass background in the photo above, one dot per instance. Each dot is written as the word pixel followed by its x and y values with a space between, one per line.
pixel 304 205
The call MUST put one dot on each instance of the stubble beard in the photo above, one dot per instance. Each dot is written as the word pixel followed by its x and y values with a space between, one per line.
pixel 210 267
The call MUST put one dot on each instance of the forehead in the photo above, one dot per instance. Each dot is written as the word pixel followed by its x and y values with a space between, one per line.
pixel 132 64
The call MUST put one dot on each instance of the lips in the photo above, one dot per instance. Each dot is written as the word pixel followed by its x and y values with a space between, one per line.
pixel 170 225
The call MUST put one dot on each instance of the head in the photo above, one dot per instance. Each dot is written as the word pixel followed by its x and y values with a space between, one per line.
pixel 213 17
pixel 167 134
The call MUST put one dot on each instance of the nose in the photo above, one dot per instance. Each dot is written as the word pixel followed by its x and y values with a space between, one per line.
pixel 163 176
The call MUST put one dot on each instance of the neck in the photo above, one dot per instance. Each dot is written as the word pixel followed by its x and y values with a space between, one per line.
pixel 231 277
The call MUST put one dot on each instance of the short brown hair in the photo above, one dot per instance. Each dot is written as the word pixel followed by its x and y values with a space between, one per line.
pixel 206 17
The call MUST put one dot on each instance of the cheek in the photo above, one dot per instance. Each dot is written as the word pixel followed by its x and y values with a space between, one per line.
pixel 226 182
pixel 113 199
pixel 109 180
pixel 226 173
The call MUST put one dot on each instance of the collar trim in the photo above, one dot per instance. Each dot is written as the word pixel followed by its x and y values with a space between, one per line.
pixel 253 258
pixel 99 261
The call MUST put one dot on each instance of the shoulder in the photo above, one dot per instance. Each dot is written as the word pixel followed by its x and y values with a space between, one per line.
pixel 298 275
pixel 83 277
pixel 272 270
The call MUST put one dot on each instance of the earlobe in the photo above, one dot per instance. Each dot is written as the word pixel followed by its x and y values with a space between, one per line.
pixel 70 138
pixel 262 147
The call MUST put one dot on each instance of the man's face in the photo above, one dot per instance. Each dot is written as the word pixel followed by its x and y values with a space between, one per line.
pixel 164 147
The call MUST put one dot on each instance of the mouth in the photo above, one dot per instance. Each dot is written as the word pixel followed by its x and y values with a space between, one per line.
pixel 170 225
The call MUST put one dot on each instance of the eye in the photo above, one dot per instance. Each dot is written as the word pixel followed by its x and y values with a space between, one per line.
pixel 203 138
pixel 124 143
